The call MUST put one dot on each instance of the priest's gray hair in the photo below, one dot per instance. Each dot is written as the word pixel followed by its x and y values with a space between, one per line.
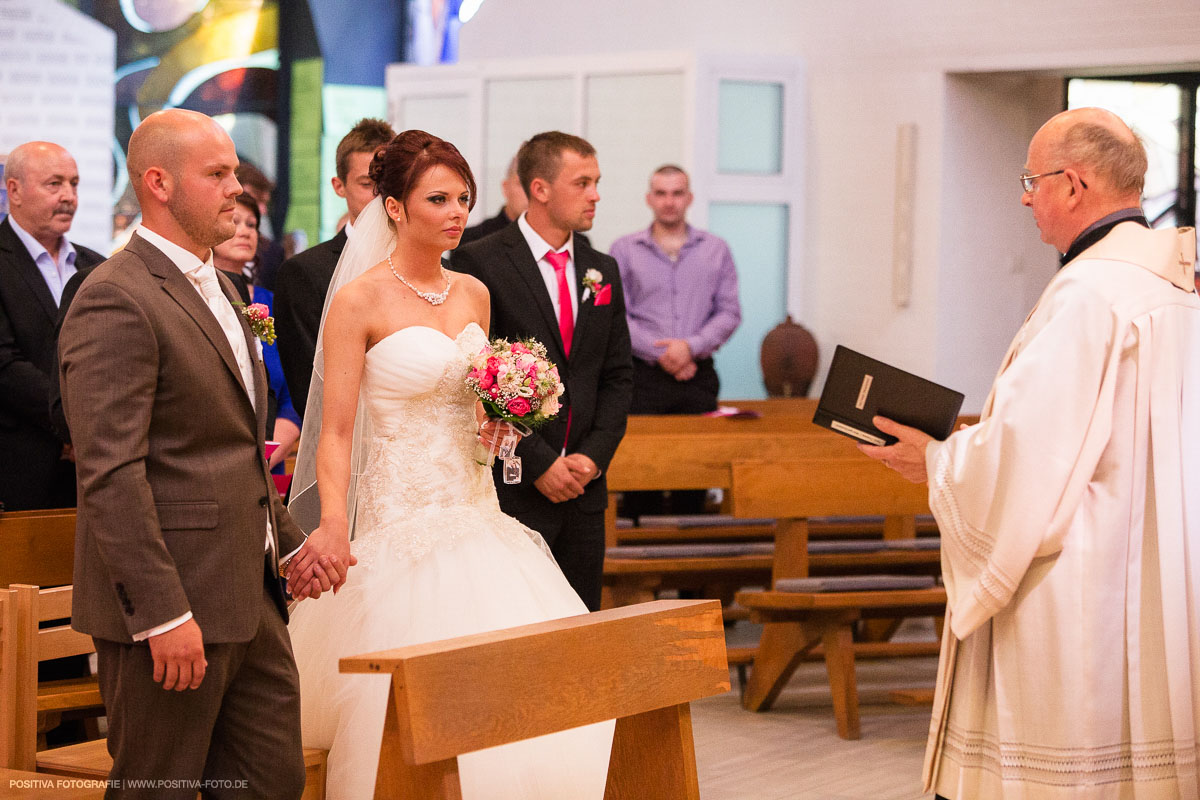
pixel 1119 160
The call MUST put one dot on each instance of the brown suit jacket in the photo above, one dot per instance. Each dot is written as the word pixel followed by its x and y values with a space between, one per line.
pixel 174 494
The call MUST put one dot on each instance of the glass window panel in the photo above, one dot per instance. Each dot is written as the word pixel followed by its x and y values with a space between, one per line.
pixel 757 234
pixel 1151 109
pixel 517 109
pixel 636 124
pixel 750 127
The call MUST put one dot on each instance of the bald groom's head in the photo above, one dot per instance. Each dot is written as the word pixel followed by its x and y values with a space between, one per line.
pixel 181 164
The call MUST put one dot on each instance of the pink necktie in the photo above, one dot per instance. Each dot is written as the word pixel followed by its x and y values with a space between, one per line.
pixel 566 315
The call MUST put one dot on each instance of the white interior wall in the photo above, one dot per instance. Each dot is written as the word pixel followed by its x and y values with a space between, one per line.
pixel 873 66
pixel 56 84
pixel 993 265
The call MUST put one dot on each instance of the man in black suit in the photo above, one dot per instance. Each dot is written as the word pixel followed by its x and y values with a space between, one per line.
pixel 515 204
pixel 36 261
pixel 548 284
pixel 303 279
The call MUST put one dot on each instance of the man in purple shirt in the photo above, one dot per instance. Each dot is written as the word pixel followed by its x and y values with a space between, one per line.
pixel 681 299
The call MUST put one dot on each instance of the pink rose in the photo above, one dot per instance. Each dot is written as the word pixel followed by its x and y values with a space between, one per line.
pixel 518 406
pixel 494 391
pixel 493 364
pixel 257 311
pixel 486 381
pixel 517 347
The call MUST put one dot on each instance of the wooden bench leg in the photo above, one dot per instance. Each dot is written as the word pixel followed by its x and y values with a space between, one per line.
pixel 838 642
pixel 879 630
pixel 397 778
pixel 780 650
pixel 628 593
pixel 653 755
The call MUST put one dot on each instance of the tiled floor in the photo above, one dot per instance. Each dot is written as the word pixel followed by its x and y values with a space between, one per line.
pixel 793 752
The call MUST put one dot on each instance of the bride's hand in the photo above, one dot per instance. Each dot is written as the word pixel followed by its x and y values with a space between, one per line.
pixel 327 549
pixel 493 431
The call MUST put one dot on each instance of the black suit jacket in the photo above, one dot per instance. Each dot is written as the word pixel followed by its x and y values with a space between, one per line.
pixel 300 289
pixel 486 228
pixel 598 374
pixel 31 465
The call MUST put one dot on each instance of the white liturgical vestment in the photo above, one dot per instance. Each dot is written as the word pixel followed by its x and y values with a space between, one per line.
pixel 1070 523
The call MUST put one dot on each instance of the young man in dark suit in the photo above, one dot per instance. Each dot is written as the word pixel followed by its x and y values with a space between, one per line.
pixel 303 279
pixel 36 261
pixel 548 284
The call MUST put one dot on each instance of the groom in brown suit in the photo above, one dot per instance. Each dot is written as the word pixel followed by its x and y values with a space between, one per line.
pixel 180 533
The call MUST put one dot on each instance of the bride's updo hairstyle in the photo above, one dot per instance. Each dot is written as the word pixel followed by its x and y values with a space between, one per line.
pixel 398 166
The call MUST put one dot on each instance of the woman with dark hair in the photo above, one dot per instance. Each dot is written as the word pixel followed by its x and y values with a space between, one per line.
pixel 390 446
pixel 231 256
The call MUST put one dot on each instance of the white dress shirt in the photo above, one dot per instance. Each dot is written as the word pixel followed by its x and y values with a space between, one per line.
pixel 56 272
pixel 539 248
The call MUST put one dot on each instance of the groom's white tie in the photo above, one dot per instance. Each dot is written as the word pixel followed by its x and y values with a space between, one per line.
pixel 206 281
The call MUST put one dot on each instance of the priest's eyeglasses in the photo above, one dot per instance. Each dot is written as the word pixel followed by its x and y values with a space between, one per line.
pixel 1027 180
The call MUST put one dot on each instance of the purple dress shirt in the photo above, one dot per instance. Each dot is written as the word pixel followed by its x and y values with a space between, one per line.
pixel 694 298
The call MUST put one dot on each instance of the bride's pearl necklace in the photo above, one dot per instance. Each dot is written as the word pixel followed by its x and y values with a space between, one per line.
pixel 433 298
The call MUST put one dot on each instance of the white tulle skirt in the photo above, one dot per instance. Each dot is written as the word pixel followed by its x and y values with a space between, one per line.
pixel 486 575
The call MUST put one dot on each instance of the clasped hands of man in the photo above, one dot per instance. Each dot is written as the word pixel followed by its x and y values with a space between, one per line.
pixel 567 475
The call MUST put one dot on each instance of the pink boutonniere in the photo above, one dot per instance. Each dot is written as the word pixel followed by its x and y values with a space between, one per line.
pixel 601 291
pixel 261 323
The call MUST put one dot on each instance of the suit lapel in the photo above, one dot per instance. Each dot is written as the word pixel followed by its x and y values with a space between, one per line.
pixel 527 268
pixel 182 292
pixel 27 268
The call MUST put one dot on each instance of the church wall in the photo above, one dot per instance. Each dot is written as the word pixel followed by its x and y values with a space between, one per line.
pixel 975 79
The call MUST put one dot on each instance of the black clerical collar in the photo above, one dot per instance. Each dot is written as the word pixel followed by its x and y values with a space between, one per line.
pixel 1099 229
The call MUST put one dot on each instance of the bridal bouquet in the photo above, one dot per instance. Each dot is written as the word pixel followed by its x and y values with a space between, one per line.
pixel 516 384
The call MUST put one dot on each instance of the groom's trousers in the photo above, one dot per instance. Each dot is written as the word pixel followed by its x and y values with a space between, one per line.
pixel 236 736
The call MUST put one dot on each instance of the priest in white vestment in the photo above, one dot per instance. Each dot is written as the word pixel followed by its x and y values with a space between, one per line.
pixel 1070 514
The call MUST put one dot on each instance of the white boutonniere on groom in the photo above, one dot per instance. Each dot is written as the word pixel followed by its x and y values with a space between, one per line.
pixel 602 291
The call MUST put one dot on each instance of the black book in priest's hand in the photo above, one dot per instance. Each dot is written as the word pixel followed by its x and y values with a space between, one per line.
pixel 859 388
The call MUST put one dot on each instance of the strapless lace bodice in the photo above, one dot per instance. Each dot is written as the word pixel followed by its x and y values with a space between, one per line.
pixel 420 473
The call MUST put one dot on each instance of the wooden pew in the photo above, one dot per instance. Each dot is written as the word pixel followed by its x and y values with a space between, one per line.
pixel 690 452
pixel 38 547
pixel 640 665
pixel 24 645
pixel 795 622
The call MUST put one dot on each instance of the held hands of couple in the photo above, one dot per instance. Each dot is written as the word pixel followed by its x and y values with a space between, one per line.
pixel 906 456
pixel 323 563
pixel 566 477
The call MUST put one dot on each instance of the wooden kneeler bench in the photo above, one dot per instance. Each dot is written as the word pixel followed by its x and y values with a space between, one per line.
pixel 640 665
pixel 807 619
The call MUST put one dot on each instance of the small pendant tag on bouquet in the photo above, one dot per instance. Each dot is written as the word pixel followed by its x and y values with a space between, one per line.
pixel 512 470
pixel 508 445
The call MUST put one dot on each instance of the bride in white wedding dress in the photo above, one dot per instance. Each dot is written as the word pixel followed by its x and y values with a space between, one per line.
pixel 436 556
